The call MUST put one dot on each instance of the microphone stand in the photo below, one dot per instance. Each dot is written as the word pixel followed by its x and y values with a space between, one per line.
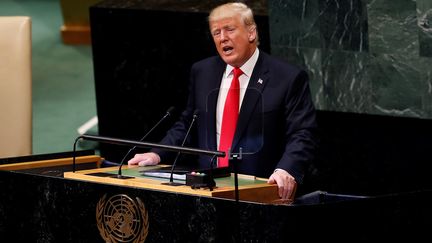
pixel 119 174
pixel 171 182
pixel 145 145
pixel 233 158
pixel 74 149
pixel 212 161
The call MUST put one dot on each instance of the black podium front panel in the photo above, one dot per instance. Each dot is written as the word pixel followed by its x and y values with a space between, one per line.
pixel 41 208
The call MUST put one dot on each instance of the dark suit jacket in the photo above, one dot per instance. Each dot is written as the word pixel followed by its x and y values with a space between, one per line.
pixel 276 122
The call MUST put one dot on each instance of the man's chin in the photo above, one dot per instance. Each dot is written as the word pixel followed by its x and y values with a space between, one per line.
pixel 229 60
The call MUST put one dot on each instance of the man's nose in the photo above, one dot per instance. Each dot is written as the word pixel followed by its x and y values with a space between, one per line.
pixel 223 36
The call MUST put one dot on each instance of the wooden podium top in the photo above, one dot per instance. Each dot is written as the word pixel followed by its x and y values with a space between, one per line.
pixel 250 188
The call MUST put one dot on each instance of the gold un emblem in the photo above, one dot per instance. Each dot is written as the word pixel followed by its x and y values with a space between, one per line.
pixel 122 219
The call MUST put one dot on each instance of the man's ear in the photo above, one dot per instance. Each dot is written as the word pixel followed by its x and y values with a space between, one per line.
pixel 252 34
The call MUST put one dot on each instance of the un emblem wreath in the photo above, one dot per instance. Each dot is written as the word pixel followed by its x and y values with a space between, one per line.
pixel 121 219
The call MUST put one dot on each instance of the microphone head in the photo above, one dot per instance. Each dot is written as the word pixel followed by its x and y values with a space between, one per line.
pixel 196 113
pixel 170 110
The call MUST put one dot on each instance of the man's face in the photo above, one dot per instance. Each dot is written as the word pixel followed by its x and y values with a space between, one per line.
pixel 234 41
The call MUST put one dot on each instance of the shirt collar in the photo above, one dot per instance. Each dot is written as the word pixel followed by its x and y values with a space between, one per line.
pixel 247 68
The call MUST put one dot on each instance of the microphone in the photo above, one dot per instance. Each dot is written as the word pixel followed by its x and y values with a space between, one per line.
pixel 171 182
pixel 118 141
pixel 167 114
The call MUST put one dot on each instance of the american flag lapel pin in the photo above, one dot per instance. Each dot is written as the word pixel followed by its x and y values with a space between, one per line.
pixel 260 81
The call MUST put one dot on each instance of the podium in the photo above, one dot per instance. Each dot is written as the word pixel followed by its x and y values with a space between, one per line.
pixel 41 195
pixel 43 200
pixel 251 189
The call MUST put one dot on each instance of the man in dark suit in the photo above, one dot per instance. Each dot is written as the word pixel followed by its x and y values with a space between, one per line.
pixel 274 118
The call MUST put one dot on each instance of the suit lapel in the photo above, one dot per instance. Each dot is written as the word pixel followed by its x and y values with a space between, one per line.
pixel 257 82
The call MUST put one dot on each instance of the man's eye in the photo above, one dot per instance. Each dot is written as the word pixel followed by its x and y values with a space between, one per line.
pixel 215 33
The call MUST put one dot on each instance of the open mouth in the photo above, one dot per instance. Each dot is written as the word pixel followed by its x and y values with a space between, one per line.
pixel 227 49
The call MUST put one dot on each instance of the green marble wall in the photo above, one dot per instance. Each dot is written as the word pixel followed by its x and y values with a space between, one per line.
pixel 363 56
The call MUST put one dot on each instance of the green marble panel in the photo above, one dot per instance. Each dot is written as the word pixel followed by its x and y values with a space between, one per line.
pixel 424 22
pixel 402 85
pixel 295 23
pixel 346 81
pixel 310 60
pixel 373 56
pixel 343 25
pixel 393 27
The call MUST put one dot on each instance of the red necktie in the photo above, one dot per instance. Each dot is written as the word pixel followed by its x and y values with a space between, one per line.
pixel 229 118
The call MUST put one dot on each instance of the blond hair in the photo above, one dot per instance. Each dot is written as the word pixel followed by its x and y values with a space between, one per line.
pixel 229 10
